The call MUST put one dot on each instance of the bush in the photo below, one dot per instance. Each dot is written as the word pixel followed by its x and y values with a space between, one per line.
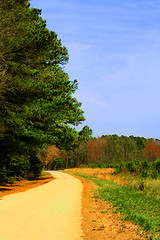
pixel 19 166
pixel 35 166
pixel 154 174
pixel 157 165
pixel 130 166
pixel 144 165
pixel 56 164
pixel 118 169
pixel 144 173
pixel 3 175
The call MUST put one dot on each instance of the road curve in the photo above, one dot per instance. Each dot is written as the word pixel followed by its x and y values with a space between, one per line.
pixel 49 212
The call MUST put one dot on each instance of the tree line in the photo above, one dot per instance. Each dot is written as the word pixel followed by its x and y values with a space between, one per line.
pixel 37 103
pixel 107 150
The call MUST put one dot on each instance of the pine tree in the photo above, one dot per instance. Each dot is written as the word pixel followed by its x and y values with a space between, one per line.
pixel 37 107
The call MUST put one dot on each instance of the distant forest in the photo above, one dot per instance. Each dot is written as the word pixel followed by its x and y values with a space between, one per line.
pixel 106 150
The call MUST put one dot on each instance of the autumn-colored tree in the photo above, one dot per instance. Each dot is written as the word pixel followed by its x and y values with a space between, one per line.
pixel 50 153
pixel 152 149
pixel 95 149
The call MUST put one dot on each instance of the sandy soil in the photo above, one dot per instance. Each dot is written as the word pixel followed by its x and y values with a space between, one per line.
pixel 49 212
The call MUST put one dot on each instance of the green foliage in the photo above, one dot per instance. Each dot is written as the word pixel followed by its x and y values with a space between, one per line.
pixel 144 165
pixel 135 206
pixel 85 134
pixel 35 165
pixel 3 175
pixel 19 166
pixel 121 148
pixel 113 149
pixel 154 174
pixel 138 168
pixel 56 164
pixel 157 165
pixel 144 173
pixel 37 107
pixel 131 166
pixel 118 169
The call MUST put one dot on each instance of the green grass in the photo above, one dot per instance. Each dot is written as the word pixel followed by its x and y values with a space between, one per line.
pixel 140 209
pixel 134 205
pixel 146 185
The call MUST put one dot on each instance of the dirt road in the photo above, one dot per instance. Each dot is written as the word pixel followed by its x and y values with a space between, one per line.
pixel 49 212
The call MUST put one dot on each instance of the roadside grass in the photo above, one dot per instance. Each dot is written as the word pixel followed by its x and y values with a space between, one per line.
pixel 133 204
pixel 147 185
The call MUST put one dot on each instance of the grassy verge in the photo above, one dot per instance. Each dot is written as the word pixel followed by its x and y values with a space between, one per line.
pixel 134 205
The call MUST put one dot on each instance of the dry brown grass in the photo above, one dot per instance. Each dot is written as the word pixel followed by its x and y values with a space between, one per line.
pixel 101 173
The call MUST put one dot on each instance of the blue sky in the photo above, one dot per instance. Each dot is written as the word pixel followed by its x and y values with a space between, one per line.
pixel 114 50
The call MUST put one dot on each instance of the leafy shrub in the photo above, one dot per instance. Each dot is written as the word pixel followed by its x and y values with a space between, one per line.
pixel 144 165
pixel 56 164
pixel 19 165
pixel 154 174
pixel 35 166
pixel 144 173
pixel 118 169
pixel 157 165
pixel 130 166
pixel 3 175
pixel 137 162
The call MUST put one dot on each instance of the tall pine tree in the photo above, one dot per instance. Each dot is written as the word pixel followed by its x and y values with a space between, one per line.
pixel 37 107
